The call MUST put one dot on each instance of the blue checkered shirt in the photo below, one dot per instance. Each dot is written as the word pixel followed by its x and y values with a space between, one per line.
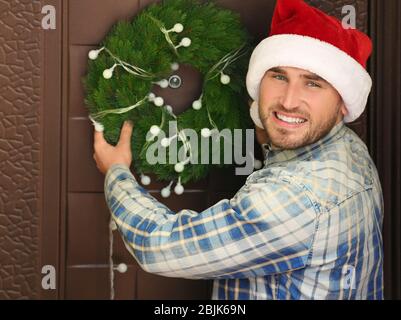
pixel 305 226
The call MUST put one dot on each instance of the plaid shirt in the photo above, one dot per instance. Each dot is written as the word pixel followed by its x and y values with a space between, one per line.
pixel 305 226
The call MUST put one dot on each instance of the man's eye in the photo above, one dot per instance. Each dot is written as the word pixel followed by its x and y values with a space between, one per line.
pixel 279 77
pixel 313 84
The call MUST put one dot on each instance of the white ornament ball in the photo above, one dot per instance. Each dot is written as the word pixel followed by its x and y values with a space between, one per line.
pixel 93 54
pixel 107 74
pixel 154 130
pixel 165 142
pixel 179 189
pixel 205 132
pixel 225 79
pixel 99 127
pixel 179 167
pixel 257 164
pixel 197 104
pixel 159 101
pixel 175 66
pixel 145 180
pixel 178 27
pixel 113 226
pixel 163 83
pixel 186 42
pixel 169 108
pixel 166 192
pixel 122 268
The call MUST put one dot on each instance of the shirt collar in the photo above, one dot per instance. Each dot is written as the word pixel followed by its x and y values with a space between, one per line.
pixel 280 155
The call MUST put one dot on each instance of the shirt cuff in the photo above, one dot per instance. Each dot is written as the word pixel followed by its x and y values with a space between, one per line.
pixel 113 172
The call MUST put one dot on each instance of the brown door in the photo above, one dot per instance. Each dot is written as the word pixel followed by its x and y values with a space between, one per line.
pixel 52 209
pixel 86 238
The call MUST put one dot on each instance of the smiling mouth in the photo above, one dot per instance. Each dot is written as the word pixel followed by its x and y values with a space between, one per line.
pixel 289 121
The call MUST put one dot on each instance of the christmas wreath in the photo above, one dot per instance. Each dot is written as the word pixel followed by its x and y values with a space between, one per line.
pixel 165 46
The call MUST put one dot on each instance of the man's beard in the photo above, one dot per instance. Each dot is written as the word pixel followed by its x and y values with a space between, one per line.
pixel 280 138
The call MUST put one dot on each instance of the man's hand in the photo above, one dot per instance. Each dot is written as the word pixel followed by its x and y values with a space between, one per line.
pixel 106 155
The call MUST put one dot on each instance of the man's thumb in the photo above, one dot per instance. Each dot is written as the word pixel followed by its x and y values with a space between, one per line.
pixel 126 132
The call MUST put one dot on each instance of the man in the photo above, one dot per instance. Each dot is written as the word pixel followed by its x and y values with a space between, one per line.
pixel 305 226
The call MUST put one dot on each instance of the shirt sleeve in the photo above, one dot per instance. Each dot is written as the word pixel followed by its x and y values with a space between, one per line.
pixel 266 228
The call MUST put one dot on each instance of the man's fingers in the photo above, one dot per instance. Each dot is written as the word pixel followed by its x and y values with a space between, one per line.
pixel 125 135
pixel 98 137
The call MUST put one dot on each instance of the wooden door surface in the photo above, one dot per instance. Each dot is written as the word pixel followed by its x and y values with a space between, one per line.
pixel 52 208
pixel 86 236
pixel 65 217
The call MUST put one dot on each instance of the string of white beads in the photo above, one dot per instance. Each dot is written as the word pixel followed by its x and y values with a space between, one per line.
pixel 93 54
pixel 197 104
pixel 179 189
pixel 180 166
pixel 185 42
pixel 206 132
pixel 178 28
pixel 108 73
pixel 113 225
pixel 165 142
pixel 158 101
pixel 175 66
pixel 169 108
pixel 154 132
pixel 225 79
pixel 122 268
pixel 162 83
pixel 166 191
pixel 145 180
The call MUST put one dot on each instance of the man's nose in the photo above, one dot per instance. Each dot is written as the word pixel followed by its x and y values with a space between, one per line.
pixel 291 97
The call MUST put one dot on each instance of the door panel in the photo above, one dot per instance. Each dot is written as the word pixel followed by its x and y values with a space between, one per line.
pixel 91 20
pixel 87 229
pixel 93 283
pixel 77 69
pixel 44 128
pixel 150 286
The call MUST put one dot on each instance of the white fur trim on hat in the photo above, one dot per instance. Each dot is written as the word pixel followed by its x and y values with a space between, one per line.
pixel 338 68
pixel 254 113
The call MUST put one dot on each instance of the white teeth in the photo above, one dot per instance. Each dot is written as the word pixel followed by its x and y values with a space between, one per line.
pixel 288 119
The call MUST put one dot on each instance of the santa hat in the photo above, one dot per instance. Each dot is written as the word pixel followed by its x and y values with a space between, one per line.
pixel 304 37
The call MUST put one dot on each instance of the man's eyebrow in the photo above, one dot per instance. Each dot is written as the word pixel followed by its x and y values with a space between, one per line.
pixel 311 76
pixel 277 70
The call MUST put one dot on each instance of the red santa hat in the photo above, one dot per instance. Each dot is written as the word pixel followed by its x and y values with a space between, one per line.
pixel 304 37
